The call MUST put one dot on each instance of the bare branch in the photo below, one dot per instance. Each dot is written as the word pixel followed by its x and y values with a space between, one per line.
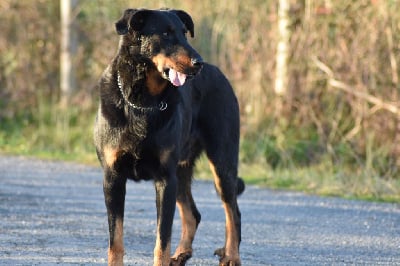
pixel 379 103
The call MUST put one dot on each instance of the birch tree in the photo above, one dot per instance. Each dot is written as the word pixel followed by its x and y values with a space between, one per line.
pixel 282 52
pixel 68 49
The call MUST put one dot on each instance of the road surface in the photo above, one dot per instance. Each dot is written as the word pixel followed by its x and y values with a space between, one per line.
pixel 52 213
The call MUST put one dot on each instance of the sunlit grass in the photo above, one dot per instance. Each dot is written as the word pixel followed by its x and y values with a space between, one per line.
pixel 325 179
pixel 322 179
pixel 50 132
pixel 66 134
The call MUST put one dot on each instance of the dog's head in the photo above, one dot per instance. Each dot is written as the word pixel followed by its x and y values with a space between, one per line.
pixel 160 35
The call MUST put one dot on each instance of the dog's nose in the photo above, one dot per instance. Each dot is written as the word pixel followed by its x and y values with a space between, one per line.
pixel 197 62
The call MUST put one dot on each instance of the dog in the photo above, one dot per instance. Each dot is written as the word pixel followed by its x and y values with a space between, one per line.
pixel 160 107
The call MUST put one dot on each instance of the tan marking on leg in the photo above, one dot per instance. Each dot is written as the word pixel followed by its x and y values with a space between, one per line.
pixel 116 251
pixel 110 155
pixel 161 258
pixel 232 241
pixel 231 252
pixel 183 163
pixel 217 182
pixel 188 229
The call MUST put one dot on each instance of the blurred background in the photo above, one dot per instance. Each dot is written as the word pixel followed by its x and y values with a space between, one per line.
pixel 317 82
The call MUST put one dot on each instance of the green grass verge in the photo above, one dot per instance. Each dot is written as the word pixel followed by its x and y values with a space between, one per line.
pixel 58 134
pixel 324 179
pixel 50 132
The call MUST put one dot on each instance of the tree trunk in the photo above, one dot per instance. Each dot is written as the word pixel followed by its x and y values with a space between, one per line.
pixel 68 49
pixel 282 53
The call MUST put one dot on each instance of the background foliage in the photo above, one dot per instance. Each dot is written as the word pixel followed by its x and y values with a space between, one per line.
pixel 336 131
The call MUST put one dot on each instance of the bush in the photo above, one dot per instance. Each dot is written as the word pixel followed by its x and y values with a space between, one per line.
pixel 317 124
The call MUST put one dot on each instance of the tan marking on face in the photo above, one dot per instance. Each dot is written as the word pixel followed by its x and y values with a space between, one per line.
pixel 116 251
pixel 160 62
pixel 110 155
pixel 184 60
pixel 161 257
pixel 188 229
pixel 178 63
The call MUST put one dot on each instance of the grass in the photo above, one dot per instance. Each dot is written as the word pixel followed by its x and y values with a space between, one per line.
pixel 58 134
pixel 324 179
pixel 50 132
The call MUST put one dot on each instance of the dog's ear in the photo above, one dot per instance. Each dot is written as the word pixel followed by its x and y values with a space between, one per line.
pixel 131 19
pixel 121 25
pixel 186 19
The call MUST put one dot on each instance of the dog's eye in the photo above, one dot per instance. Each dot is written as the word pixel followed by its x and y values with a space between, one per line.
pixel 167 34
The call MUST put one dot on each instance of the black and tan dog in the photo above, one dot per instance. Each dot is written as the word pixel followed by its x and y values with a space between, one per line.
pixel 160 107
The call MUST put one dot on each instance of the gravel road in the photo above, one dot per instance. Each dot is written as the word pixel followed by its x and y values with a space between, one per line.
pixel 52 213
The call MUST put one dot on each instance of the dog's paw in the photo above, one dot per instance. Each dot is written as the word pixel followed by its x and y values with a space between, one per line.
pixel 181 259
pixel 227 260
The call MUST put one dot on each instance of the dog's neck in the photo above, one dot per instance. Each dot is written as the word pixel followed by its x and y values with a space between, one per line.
pixel 139 81
pixel 142 69
pixel 162 106
pixel 155 83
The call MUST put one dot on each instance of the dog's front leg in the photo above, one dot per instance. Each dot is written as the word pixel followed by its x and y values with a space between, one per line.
pixel 165 201
pixel 114 188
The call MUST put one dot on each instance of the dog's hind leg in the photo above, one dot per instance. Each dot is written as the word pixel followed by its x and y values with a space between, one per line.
pixel 114 188
pixel 226 182
pixel 189 214
pixel 219 124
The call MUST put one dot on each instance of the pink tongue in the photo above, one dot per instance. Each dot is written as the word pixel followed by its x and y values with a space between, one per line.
pixel 176 78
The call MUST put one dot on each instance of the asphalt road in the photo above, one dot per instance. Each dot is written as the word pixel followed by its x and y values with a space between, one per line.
pixel 52 213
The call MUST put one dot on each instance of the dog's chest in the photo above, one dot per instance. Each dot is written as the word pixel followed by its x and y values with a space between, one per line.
pixel 152 142
pixel 152 157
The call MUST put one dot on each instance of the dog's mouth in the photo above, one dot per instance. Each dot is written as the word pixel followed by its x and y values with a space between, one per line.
pixel 175 77
pixel 177 72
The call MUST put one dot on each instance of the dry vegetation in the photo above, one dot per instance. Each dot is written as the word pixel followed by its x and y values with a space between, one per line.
pixel 335 131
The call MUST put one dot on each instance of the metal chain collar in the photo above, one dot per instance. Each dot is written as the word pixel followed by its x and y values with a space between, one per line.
pixel 162 106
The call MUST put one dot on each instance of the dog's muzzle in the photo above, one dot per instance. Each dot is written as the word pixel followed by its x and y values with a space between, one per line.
pixel 177 78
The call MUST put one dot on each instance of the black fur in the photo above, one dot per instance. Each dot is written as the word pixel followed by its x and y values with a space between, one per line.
pixel 146 128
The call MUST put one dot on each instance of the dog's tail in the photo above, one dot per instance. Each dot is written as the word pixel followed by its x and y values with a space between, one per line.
pixel 240 186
